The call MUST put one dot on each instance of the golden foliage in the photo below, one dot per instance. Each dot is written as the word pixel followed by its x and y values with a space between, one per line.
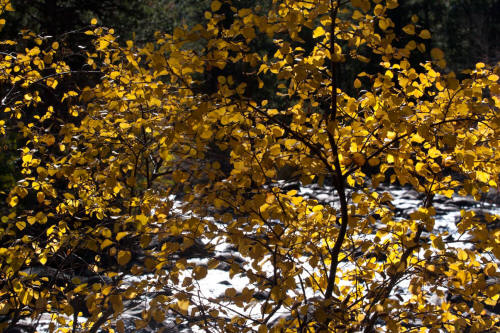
pixel 103 161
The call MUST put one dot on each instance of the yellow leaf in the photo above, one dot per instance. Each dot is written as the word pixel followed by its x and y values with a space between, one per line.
pixel 462 255
pixel 183 304
pixel 378 10
pixel 31 220
pixel 114 75
pixel 199 272
pixel 318 208
pixel 215 6
pixel 425 34
pixel 17 286
pixel 357 15
pixel 357 84
pixel 437 242
pixel 40 197
pixel 448 193
pixel 482 176
pixel 80 288
pixel 13 201
pixel 93 21
pixel 27 158
pixel 106 243
pixel 383 23
pixel 230 292
pixel 21 225
pixel 50 140
pixel 116 303
pixel 391 4
pixel 490 269
pixel 492 300
pixel 356 197
pixel 206 134
pixel 433 152
pixel 437 54
pixel 120 326
pixel 158 315
pixel 359 159
pixel 103 44
pixel 124 257
pixel 318 32
pixel 125 126
pixel 120 235
pixel 493 77
pixel 409 29
pixel 26 296
pixel 363 59
pixel 106 233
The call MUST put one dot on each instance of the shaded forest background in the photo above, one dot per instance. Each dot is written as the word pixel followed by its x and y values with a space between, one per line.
pixel 467 30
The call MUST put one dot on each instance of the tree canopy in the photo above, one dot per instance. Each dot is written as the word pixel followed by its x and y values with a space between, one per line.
pixel 135 155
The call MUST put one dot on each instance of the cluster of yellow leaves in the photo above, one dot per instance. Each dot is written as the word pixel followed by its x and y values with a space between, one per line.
pixel 101 164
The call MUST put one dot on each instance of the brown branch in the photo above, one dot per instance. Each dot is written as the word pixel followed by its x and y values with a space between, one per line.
pixel 339 183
